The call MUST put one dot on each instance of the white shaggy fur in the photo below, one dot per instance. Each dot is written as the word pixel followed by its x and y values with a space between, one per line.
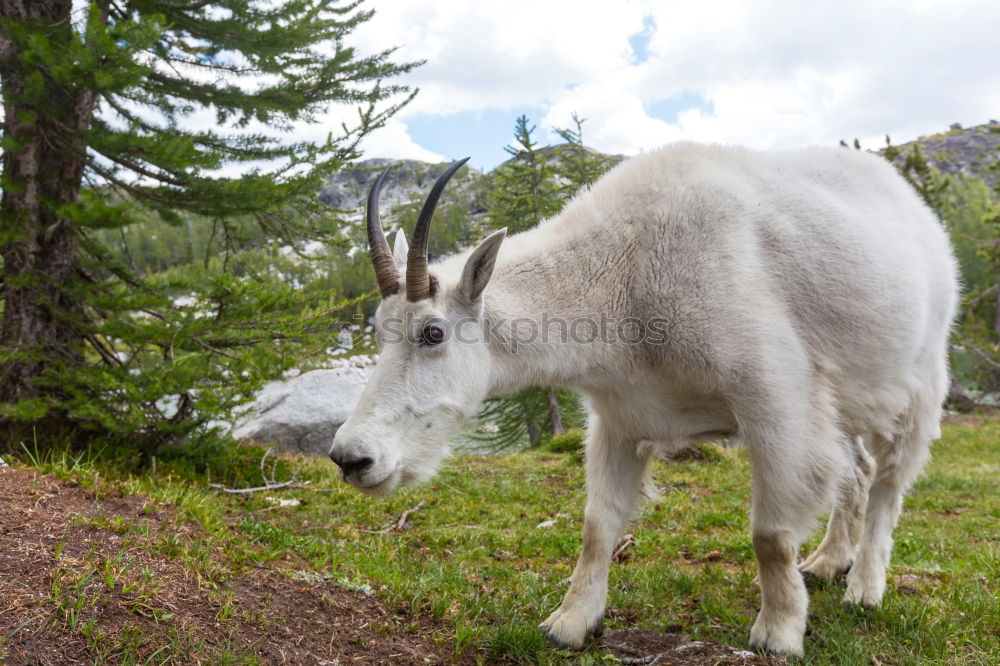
pixel 806 297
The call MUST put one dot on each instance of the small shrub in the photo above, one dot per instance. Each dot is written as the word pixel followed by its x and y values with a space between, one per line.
pixel 570 441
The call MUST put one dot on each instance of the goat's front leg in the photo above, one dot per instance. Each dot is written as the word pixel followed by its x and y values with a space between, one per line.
pixel 614 478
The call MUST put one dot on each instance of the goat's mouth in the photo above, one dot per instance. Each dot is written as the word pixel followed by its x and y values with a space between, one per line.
pixel 385 486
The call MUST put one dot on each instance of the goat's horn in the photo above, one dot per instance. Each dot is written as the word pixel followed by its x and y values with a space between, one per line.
pixel 418 280
pixel 385 268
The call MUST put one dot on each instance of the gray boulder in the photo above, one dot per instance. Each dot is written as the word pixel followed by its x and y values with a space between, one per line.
pixel 302 414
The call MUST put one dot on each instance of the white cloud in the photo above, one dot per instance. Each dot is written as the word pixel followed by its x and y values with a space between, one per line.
pixel 786 73
pixel 498 54
pixel 393 140
pixel 775 73
pixel 772 73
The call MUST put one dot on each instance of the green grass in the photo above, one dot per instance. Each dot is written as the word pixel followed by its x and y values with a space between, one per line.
pixel 474 556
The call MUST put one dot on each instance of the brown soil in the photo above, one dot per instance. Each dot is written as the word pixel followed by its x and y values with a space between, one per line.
pixel 53 534
pixel 692 453
pixel 984 415
pixel 70 557
pixel 636 646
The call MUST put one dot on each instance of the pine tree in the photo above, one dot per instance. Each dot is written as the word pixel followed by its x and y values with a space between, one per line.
pixel 176 107
pixel 981 326
pixel 579 166
pixel 523 191
pixel 931 183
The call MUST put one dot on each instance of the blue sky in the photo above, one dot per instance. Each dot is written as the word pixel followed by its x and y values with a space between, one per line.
pixel 481 134
pixel 640 40
pixel 767 74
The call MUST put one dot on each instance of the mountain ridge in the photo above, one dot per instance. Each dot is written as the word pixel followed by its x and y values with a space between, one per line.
pixel 957 151
pixel 960 151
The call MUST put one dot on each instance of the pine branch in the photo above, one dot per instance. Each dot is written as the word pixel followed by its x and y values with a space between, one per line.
pixel 95 177
pixel 117 158
pixel 989 291
pixel 983 355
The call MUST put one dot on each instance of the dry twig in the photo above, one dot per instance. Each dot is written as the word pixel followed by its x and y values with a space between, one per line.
pixel 291 483
pixel 623 543
pixel 269 482
pixel 400 524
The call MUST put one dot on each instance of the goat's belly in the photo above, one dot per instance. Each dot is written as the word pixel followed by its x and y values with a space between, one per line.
pixel 671 419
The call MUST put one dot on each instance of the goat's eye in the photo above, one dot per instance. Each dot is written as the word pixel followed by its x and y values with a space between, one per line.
pixel 432 335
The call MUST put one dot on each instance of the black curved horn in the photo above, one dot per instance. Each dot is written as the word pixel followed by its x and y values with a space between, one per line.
pixel 386 273
pixel 418 280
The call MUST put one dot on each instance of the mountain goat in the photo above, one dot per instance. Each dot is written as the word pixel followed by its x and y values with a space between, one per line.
pixel 801 300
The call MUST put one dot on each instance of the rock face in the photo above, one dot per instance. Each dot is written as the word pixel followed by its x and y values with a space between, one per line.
pixel 302 414
pixel 411 179
pixel 962 151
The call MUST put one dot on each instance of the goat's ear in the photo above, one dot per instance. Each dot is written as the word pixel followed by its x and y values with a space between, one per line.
pixel 479 267
pixel 400 248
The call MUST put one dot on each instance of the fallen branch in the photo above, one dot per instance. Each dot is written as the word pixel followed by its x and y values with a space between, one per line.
pixel 401 523
pixel 269 482
pixel 623 543
pixel 291 483
pixel 648 659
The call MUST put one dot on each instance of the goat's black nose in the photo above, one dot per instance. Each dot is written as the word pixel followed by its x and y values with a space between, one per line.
pixel 351 464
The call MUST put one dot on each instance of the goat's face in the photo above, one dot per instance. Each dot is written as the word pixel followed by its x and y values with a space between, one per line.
pixel 432 373
pixel 434 364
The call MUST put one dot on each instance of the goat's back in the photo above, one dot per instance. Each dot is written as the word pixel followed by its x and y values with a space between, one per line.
pixel 830 244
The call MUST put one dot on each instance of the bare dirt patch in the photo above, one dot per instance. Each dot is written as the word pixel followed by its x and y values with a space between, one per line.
pixel 637 646
pixel 89 577
pixel 79 583
pixel 985 415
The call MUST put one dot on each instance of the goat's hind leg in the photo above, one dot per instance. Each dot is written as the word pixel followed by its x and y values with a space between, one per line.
pixel 898 462
pixel 835 553
pixel 614 479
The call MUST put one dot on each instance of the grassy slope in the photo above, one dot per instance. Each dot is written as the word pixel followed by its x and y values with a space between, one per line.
pixel 474 556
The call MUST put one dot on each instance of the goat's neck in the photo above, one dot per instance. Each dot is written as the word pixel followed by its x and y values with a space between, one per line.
pixel 521 299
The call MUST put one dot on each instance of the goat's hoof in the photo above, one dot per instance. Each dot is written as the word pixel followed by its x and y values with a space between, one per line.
pixel 851 606
pixel 786 650
pixel 824 569
pixel 863 593
pixel 779 638
pixel 568 630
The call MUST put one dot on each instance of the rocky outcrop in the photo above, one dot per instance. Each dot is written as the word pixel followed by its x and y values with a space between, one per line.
pixel 411 179
pixel 968 151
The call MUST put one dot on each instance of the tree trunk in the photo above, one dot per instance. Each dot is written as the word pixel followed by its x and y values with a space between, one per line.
pixel 42 172
pixel 957 398
pixel 532 432
pixel 996 317
pixel 555 418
